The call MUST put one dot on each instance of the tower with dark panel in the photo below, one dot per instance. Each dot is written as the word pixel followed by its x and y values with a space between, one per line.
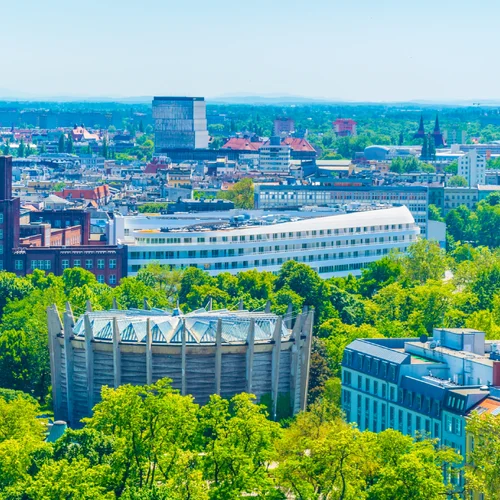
pixel 9 215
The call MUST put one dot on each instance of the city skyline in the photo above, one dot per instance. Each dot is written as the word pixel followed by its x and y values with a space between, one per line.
pixel 327 50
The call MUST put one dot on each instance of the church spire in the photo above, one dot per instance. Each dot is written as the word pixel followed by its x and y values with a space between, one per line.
pixel 420 134
pixel 438 136
pixel 436 125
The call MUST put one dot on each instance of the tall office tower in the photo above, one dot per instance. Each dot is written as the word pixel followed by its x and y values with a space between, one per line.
pixel 9 215
pixel 180 123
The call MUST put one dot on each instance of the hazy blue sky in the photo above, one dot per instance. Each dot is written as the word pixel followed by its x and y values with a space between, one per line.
pixel 379 50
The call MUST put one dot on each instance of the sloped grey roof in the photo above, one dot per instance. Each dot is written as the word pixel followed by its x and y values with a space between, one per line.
pixel 366 347
pixel 166 328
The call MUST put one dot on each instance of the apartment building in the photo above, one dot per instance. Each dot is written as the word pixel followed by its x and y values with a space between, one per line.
pixel 421 386
pixel 284 197
pixel 333 245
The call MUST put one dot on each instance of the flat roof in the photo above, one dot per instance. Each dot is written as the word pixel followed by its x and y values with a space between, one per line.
pixel 177 98
pixel 393 215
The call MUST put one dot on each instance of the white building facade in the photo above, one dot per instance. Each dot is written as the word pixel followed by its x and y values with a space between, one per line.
pixel 274 157
pixel 472 166
pixel 333 245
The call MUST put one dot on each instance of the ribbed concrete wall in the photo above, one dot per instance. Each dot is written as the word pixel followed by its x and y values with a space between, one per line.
pixel 272 370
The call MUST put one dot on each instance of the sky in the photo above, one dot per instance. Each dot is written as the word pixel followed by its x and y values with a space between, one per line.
pixel 354 50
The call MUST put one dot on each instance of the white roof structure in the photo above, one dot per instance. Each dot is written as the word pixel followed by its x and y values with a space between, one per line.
pixel 166 327
pixel 382 216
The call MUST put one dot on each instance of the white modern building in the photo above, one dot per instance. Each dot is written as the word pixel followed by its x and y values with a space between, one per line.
pixel 333 245
pixel 472 166
pixel 274 157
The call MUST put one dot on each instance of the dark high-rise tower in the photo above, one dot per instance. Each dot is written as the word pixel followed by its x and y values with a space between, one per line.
pixel 180 123
pixel 9 215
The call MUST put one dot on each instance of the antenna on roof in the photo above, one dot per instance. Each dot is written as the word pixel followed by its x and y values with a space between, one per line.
pixel 424 338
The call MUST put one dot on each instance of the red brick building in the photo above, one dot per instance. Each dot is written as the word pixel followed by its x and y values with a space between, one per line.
pixel 55 241
pixel 345 127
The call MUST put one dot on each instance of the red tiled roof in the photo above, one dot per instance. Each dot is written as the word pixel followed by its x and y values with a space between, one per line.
pixel 80 133
pixel 152 168
pixel 242 145
pixel 298 144
pixel 487 405
pixel 98 193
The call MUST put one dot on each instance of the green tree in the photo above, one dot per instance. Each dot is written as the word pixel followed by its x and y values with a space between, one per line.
pixel 452 168
pixel 482 472
pixel 411 470
pixel 69 144
pixel 237 441
pixel 192 276
pixel 435 213
pixel 21 437
pixel 431 151
pixel 457 181
pixel 324 458
pixel 76 277
pixel 379 274
pixel 21 150
pixel 241 193
pixel 425 148
pixel 62 146
pixel 105 153
pixel 154 428
pixel 159 275
pixel 424 260
pixel 132 292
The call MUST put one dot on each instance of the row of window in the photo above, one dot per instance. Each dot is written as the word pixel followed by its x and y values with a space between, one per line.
pixel 311 259
pixel 65 264
pixel 231 252
pixel 367 363
pixel 411 399
pixel 274 195
pixel 372 415
pixel 274 236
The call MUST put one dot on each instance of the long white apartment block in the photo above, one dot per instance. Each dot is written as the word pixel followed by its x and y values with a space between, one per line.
pixel 333 245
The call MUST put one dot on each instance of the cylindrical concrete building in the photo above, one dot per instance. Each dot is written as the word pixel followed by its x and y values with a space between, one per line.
pixel 203 352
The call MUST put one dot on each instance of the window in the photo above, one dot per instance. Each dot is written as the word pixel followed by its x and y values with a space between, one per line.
pixel 360 381
pixel 1 217
pixel 375 388
pixel 367 385
pixel 100 278
pixel 89 264
pixel 112 263
pixel 367 413
pixel 112 279
pixel 65 264
pixel 384 391
pixel 77 263
pixel 100 265
pixel 18 265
